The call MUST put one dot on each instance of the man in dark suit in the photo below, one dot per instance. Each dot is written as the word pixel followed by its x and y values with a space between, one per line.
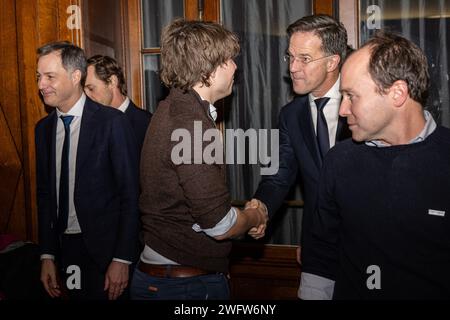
pixel 105 84
pixel 310 124
pixel 87 183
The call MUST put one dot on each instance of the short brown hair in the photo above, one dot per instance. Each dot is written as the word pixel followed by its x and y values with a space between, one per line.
pixel 331 32
pixel 106 67
pixel 393 58
pixel 192 50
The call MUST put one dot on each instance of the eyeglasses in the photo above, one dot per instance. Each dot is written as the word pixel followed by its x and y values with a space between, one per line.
pixel 304 60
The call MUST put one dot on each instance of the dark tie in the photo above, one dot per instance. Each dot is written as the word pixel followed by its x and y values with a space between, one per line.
pixel 323 139
pixel 63 204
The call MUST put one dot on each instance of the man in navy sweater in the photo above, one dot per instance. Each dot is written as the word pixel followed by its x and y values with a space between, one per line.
pixel 382 227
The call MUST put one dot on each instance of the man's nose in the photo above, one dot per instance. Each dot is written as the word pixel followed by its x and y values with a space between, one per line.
pixel 344 108
pixel 41 83
pixel 295 65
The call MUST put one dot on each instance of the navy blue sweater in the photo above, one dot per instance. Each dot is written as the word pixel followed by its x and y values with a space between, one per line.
pixel 389 208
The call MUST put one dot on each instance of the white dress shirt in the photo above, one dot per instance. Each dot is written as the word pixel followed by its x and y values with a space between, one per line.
pixel 124 106
pixel 76 111
pixel 331 110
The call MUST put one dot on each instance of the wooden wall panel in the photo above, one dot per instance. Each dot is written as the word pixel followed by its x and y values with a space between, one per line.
pixel 19 222
pixel 133 60
pixel 24 26
pixel 212 10
pixel 29 34
pixel 12 198
pixel 263 272
pixel 8 76
pixel 323 7
pixel 191 9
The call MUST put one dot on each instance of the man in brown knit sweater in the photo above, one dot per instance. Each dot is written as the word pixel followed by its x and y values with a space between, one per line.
pixel 186 212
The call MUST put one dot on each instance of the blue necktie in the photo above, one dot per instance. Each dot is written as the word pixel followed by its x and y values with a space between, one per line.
pixel 63 203
pixel 323 139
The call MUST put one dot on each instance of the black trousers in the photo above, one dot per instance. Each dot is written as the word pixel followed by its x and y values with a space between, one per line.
pixel 81 277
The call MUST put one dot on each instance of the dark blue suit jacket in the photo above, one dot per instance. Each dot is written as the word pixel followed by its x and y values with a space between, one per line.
pixel 139 119
pixel 299 154
pixel 106 184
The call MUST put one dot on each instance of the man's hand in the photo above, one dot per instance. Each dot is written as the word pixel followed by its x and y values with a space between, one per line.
pixel 49 278
pixel 246 220
pixel 299 251
pixel 116 279
pixel 258 231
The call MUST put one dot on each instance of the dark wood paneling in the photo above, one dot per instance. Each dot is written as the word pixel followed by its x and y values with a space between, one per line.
pixel 211 10
pixel 12 198
pixel 266 272
pixel 323 6
pixel 24 26
pixel 9 77
pixel 133 35
pixel 191 9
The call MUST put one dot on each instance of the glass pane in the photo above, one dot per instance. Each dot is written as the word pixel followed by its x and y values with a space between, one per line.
pixel 262 88
pixel 427 24
pixel 155 15
pixel 154 90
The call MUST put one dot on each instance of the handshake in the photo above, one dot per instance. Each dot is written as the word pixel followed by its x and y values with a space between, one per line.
pixel 258 210
pixel 251 220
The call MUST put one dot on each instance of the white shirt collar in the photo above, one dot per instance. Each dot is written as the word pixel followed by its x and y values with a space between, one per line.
pixel 212 110
pixel 333 93
pixel 76 110
pixel 430 126
pixel 124 106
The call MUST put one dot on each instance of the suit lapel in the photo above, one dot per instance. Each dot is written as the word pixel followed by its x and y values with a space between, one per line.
pixel 129 108
pixel 51 138
pixel 86 129
pixel 306 125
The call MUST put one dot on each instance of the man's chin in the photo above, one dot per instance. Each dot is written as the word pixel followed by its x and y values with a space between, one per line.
pixel 300 90
pixel 49 102
pixel 358 138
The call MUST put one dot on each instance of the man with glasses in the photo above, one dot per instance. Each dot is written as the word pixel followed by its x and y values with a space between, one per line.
pixel 309 125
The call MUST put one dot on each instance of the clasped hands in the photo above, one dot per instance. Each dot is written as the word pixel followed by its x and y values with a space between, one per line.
pixel 259 229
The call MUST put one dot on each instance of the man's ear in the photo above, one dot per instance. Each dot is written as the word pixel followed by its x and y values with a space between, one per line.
pixel 113 81
pixel 212 76
pixel 399 92
pixel 333 63
pixel 76 76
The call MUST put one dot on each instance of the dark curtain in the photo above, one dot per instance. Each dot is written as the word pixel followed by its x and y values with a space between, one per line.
pixel 262 87
pixel 425 23
pixel 156 15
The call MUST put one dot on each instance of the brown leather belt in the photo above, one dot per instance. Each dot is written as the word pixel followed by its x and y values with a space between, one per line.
pixel 171 271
